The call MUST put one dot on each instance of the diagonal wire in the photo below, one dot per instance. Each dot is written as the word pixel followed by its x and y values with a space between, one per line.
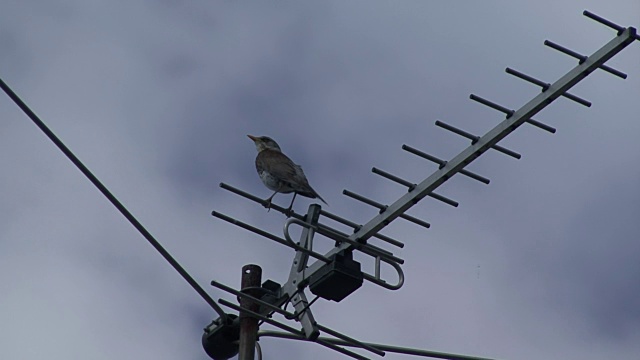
pixel 103 189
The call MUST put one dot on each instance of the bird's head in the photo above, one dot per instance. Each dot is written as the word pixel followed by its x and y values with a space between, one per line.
pixel 264 142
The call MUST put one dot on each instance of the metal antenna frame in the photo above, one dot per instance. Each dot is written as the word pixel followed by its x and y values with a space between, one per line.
pixel 301 273
pixel 294 293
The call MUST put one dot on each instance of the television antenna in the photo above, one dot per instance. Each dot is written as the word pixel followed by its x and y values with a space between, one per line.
pixel 334 275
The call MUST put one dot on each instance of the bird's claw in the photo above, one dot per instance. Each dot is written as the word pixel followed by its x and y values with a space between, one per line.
pixel 288 212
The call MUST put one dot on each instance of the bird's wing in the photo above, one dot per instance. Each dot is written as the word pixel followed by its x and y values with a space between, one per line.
pixel 277 164
pixel 284 169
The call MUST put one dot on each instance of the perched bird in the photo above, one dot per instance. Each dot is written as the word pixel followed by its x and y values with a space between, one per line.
pixel 279 173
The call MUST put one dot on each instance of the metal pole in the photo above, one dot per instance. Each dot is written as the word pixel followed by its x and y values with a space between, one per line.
pixel 251 278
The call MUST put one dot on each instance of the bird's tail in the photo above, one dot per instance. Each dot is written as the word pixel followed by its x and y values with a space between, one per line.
pixel 309 192
pixel 319 197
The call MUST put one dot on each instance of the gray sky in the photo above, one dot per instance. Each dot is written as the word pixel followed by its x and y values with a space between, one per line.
pixel 157 97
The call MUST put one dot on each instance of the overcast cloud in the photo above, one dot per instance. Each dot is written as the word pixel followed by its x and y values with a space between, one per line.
pixel 157 97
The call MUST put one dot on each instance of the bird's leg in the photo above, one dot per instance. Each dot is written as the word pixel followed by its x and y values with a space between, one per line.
pixel 268 200
pixel 288 211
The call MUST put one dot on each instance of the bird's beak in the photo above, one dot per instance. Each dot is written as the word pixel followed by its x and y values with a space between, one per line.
pixel 253 138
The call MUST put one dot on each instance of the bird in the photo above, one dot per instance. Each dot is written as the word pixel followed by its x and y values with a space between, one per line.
pixel 279 173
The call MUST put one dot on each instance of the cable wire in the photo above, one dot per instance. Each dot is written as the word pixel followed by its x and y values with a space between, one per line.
pixel 103 189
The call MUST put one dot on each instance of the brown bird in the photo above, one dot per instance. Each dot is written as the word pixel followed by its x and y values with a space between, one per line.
pixel 279 173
